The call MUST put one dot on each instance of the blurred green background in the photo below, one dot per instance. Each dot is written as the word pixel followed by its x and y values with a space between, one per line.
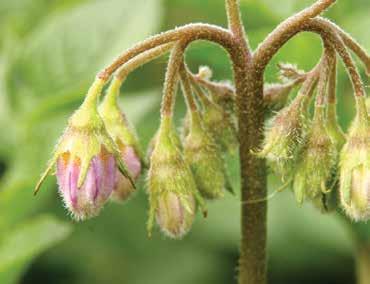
pixel 50 50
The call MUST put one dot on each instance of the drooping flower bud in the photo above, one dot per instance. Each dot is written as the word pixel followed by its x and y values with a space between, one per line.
pixel 219 123
pixel 283 138
pixel 333 127
pixel 316 165
pixel 86 159
pixel 205 159
pixel 222 93
pixel 171 186
pixel 276 95
pixel 85 201
pixel 125 137
pixel 355 167
pixel 174 137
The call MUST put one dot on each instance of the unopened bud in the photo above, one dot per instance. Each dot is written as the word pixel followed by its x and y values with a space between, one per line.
pixel 222 126
pixel 125 137
pixel 172 216
pixel 355 168
pixel 123 188
pixel 316 165
pixel 205 159
pixel 284 137
pixel 171 186
pixel 86 159
pixel 275 96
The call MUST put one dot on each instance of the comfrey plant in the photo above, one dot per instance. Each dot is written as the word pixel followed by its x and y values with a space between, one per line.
pixel 99 158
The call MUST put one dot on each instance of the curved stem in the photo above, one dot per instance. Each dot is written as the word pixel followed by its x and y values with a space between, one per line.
pixel 187 90
pixel 325 70
pixel 215 87
pixel 204 99
pixel 332 86
pixel 330 35
pixel 122 73
pixel 189 33
pixel 171 80
pixel 142 59
pixel 350 42
pixel 287 29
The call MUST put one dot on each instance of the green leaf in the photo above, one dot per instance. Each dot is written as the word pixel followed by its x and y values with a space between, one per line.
pixel 64 54
pixel 19 246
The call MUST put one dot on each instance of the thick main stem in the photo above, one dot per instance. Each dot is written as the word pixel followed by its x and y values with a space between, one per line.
pixel 249 100
pixel 252 262
pixel 363 263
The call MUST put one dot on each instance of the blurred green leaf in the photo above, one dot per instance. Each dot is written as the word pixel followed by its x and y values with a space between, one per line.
pixel 19 246
pixel 64 53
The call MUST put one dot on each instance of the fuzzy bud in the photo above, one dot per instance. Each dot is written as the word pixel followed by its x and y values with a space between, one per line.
pixel 316 165
pixel 355 168
pixel 125 137
pixel 86 159
pixel 283 139
pixel 222 126
pixel 275 96
pixel 204 157
pixel 171 186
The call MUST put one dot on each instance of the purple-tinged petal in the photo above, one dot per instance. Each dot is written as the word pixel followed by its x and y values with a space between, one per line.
pixel 132 161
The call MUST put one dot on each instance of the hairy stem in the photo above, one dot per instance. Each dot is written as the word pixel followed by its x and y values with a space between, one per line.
pixel 236 24
pixel 142 59
pixel 286 30
pixel 326 65
pixel 349 42
pixel 187 90
pixel 249 99
pixel 172 78
pixel 189 33
pixel 250 111
pixel 363 263
pixel 330 35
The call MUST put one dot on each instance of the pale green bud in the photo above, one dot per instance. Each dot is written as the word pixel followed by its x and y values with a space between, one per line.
pixel 284 137
pixel 222 126
pixel 316 163
pixel 123 133
pixel 171 186
pixel 275 96
pixel 355 168
pixel 205 159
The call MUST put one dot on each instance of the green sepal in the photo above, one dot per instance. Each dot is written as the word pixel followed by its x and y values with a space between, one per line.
pixel 44 175
pixel 118 126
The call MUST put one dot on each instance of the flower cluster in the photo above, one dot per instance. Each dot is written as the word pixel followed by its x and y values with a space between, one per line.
pixel 98 158
pixel 312 154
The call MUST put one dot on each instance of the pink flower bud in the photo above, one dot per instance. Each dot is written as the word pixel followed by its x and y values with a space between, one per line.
pixel 86 201
pixel 173 218
pixel 123 187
